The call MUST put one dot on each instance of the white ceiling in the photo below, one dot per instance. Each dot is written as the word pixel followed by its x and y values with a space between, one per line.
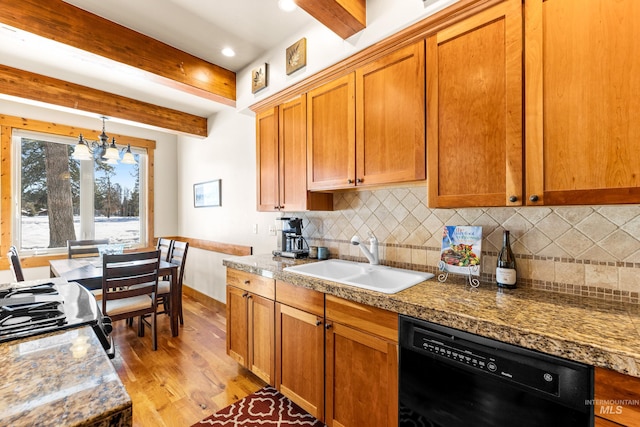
pixel 201 28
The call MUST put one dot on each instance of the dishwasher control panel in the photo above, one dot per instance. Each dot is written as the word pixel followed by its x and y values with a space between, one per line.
pixel 459 354
pixel 458 351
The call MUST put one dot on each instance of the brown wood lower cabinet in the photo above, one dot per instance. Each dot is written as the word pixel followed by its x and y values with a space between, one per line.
pixel 361 358
pixel 339 364
pixel 300 346
pixel 617 399
pixel 250 325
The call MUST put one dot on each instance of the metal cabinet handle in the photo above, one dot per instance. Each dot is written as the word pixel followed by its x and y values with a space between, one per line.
pixel 328 326
pixel 534 198
pixel 247 282
pixel 513 199
pixel 318 322
pixel 349 181
pixel 245 294
pixel 250 296
pixel 359 181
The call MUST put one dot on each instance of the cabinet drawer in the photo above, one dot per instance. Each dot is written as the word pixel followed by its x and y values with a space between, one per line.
pixel 259 285
pixel 374 320
pixel 301 298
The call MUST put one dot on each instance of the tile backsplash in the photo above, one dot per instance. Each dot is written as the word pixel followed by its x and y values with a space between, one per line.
pixel 584 250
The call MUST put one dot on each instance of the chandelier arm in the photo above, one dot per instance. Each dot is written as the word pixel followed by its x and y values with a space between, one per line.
pixel 110 152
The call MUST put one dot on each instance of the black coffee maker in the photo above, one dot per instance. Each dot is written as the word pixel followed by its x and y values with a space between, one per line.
pixel 292 244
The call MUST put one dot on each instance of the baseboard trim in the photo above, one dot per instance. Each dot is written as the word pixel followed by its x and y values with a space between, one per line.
pixel 203 299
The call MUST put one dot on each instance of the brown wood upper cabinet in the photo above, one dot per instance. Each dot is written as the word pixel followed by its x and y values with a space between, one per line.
pixel 474 110
pixel 281 160
pixel 582 101
pixel 368 128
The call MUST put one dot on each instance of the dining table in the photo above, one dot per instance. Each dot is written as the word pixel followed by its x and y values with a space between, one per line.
pixel 88 272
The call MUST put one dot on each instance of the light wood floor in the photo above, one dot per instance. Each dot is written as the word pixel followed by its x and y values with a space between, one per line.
pixel 189 377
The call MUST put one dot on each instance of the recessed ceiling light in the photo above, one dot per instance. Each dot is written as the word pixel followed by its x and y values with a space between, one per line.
pixel 227 51
pixel 287 5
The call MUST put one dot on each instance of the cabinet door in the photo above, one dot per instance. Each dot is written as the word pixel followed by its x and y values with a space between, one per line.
pixel 237 325
pixel 261 337
pixel 293 154
pixel 293 160
pixel 390 118
pixel 616 396
pixel 582 101
pixel 474 97
pixel 361 379
pixel 267 160
pixel 300 358
pixel 331 135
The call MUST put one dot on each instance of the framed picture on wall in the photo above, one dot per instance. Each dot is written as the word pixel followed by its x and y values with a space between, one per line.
pixel 207 194
pixel 259 78
pixel 296 56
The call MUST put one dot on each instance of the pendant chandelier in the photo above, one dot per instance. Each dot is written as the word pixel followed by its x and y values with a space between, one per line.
pixel 109 152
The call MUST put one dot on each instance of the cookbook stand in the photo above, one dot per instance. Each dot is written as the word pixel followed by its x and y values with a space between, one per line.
pixel 473 270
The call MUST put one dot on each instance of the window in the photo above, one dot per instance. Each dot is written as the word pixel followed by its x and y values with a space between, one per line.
pixel 59 198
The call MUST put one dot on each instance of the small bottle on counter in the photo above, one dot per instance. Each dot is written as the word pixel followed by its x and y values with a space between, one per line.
pixel 506 266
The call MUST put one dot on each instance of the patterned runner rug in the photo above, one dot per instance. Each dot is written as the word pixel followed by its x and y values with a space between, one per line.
pixel 265 408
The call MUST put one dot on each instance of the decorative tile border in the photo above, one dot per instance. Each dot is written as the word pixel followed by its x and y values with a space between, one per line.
pixel 598 292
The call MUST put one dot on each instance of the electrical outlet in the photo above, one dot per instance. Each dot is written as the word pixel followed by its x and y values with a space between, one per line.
pixel 255 228
pixel 272 230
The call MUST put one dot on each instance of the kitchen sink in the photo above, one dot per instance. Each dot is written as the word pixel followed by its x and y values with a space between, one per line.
pixel 379 278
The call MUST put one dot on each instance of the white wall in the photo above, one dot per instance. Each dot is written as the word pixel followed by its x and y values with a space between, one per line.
pixel 229 151
pixel 165 183
pixel 229 154
pixel 325 48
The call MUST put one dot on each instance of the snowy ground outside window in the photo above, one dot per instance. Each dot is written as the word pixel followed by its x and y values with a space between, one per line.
pixel 126 230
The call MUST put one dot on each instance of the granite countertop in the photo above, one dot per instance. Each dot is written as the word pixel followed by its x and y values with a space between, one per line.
pixel 596 332
pixel 61 378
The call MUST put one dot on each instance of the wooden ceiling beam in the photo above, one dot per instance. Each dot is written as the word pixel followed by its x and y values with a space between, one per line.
pixel 343 17
pixel 70 25
pixel 36 87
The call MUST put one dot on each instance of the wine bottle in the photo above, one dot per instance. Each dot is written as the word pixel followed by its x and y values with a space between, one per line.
pixel 506 268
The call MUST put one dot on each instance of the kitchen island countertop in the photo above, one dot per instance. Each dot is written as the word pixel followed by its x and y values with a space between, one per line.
pixel 62 378
pixel 588 330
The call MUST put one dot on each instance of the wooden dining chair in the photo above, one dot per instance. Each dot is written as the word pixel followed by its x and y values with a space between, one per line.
pixel 179 257
pixel 85 248
pixel 14 262
pixel 164 245
pixel 129 288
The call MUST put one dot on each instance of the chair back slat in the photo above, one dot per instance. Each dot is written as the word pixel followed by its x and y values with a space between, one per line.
pixel 165 245
pixel 129 275
pixel 179 256
pixel 85 248
pixel 14 261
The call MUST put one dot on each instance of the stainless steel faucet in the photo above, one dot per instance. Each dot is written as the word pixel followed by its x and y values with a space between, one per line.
pixel 372 252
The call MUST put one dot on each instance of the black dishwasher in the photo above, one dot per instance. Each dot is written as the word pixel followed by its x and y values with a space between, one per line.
pixel 451 378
